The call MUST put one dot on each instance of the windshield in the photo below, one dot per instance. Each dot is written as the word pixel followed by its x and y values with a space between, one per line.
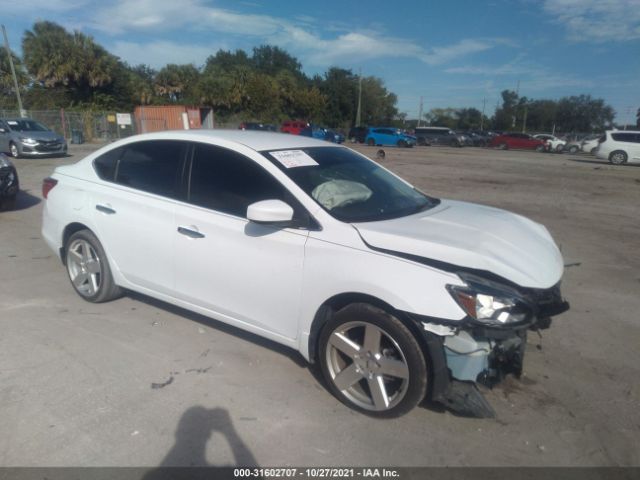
pixel 26 126
pixel 349 186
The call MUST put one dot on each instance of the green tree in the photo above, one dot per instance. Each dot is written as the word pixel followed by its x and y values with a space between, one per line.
pixel 227 60
pixel 378 104
pixel 469 119
pixel 7 88
pixel 584 114
pixel 177 83
pixel 141 80
pixel 55 57
pixel 340 88
pixel 271 60
pixel 505 117
pixel 442 117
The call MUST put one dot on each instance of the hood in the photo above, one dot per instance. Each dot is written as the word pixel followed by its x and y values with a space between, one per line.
pixel 36 135
pixel 473 236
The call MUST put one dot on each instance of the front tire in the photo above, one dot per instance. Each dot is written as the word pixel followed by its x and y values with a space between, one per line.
pixel 371 142
pixel 13 150
pixel 88 268
pixel 540 148
pixel 573 149
pixel 372 362
pixel 402 144
pixel 618 157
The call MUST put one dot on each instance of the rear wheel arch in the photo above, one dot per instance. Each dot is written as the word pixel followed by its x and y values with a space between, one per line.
pixel 69 230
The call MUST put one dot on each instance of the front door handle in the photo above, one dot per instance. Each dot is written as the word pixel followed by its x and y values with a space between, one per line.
pixel 105 209
pixel 190 232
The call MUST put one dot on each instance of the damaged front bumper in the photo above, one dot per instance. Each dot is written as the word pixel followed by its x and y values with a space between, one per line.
pixel 466 353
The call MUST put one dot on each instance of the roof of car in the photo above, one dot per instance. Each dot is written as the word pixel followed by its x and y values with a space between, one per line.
pixel 256 140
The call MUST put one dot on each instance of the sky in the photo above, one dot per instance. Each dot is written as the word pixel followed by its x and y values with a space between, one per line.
pixel 456 53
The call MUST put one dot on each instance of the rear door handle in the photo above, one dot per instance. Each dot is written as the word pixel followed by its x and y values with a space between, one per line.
pixel 105 209
pixel 189 232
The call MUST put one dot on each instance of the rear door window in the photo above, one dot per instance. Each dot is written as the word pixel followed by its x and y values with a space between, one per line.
pixel 152 166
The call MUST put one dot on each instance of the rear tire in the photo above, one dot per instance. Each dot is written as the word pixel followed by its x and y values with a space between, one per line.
pixel 9 203
pixel 88 268
pixel 573 149
pixel 503 146
pixel 372 362
pixel 618 157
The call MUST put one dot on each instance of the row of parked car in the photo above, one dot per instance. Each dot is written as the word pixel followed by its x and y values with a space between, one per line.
pixel 426 136
pixel 297 127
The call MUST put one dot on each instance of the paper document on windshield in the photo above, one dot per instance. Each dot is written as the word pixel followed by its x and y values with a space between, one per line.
pixel 293 158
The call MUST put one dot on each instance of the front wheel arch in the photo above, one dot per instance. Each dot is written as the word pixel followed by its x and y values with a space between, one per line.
pixel 332 305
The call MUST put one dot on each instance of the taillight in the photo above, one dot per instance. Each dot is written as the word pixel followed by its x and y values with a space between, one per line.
pixel 47 184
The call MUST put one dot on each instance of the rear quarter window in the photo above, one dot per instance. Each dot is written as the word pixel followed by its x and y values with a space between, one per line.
pixel 623 137
pixel 105 164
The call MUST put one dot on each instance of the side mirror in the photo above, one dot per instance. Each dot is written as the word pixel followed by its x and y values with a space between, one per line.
pixel 3 130
pixel 270 212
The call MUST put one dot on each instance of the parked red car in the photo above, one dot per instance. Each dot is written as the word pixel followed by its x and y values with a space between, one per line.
pixel 293 126
pixel 517 140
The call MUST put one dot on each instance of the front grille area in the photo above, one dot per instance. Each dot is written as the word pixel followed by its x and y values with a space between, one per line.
pixel 48 146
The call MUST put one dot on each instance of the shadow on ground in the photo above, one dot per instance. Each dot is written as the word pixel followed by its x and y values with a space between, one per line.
pixel 193 434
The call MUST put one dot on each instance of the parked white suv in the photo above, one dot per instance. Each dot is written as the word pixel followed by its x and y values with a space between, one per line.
pixel 619 146
pixel 395 293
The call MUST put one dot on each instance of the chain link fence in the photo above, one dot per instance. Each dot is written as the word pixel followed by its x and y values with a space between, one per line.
pixel 80 126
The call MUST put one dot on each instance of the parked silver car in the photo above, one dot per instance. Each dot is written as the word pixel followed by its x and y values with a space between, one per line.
pixel 25 137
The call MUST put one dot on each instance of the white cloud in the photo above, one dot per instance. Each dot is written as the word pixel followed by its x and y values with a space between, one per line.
pixel 300 38
pixel 532 76
pixel 41 6
pixel 597 21
pixel 159 53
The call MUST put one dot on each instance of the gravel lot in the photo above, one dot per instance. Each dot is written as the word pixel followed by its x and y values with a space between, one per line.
pixel 139 383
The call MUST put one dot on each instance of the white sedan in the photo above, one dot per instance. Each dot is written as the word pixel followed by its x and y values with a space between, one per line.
pixel 394 293
pixel 553 143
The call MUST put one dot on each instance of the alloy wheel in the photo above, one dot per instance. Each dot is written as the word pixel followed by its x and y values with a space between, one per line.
pixel 84 267
pixel 367 365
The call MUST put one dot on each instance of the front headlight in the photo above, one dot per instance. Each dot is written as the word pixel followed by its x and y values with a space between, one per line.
pixel 29 141
pixel 490 303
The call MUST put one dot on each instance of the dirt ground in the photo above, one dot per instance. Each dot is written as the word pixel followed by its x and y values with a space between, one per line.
pixel 139 383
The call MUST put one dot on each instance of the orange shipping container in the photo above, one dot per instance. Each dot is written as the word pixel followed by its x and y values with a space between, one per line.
pixel 167 117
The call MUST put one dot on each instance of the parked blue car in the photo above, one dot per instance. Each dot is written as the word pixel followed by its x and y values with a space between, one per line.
pixel 322 133
pixel 389 136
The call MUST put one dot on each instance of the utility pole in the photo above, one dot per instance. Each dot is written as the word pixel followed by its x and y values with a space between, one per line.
pixel 359 110
pixel 524 119
pixel 13 71
pixel 420 112
pixel 484 104
pixel 513 122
